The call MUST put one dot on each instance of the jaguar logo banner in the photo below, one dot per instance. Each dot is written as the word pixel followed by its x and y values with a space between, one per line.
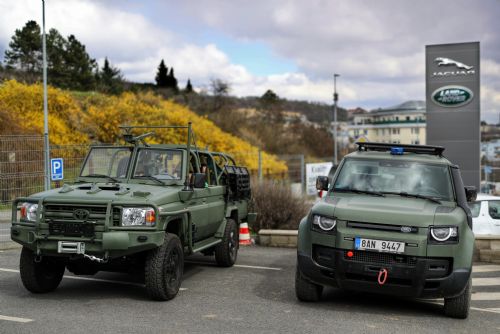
pixel 453 108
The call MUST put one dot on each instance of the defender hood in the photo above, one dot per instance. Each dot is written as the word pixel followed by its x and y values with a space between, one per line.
pixel 383 210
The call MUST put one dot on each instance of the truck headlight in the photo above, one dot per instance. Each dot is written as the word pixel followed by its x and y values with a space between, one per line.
pixel 444 233
pixel 138 217
pixel 28 211
pixel 324 223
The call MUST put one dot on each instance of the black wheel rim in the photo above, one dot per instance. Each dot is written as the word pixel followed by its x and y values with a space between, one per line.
pixel 172 269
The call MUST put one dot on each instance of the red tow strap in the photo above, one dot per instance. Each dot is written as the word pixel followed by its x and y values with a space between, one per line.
pixel 382 276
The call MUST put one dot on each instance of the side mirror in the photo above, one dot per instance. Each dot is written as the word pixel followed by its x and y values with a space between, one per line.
pixel 199 180
pixel 322 183
pixel 470 193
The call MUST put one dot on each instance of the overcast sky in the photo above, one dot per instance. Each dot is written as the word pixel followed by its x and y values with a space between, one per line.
pixel 291 47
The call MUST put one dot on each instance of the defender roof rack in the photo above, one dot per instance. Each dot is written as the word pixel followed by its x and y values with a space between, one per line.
pixel 419 149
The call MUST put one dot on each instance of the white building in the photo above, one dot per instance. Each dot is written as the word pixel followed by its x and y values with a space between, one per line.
pixel 401 124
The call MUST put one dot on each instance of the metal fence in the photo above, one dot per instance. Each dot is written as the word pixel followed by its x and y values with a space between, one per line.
pixel 22 172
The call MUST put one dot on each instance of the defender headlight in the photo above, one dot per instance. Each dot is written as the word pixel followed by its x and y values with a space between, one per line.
pixel 28 211
pixel 444 233
pixel 324 223
pixel 138 217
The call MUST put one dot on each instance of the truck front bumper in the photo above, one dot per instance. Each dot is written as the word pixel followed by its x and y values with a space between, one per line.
pixel 418 277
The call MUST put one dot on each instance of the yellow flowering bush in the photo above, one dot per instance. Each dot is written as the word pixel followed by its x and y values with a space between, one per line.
pixel 77 118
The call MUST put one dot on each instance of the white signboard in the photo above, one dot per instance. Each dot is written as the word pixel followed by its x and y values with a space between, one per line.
pixel 312 172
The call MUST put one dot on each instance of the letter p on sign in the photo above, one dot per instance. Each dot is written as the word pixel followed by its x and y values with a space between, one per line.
pixel 56 169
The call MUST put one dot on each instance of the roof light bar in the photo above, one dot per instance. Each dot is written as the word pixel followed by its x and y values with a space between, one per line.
pixel 386 147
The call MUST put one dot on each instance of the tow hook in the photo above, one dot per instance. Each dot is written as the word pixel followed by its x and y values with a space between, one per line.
pixel 382 276
pixel 95 258
pixel 38 258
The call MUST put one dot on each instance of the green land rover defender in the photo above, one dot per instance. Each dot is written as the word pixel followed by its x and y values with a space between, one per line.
pixel 135 208
pixel 395 221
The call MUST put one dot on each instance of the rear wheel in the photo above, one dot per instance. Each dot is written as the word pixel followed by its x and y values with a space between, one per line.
pixel 458 307
pixel 227 251
pixel 163 269
pixel 306 290
pixel 40 277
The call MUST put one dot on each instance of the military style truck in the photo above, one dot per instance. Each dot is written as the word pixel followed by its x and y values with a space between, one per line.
pixel 395 221
pixel 135 208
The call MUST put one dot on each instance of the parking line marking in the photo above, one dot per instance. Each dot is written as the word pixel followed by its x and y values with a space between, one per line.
pixel 15 319
pixel 256 267
pixel 491 310
pixel 486 296
pixel 486 281
pixel 485 268
pixel 92 279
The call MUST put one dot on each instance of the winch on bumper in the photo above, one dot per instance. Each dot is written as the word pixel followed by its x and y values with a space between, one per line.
pixel 58 230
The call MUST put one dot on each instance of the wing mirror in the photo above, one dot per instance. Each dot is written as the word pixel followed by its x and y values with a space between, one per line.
pixel 322 183
pixel 470 193
pixel 199 180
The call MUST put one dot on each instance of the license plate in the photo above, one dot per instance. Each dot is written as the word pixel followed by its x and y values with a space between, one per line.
pixel 379 245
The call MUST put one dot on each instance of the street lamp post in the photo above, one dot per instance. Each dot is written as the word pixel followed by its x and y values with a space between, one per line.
pixel 335 99
pixel 45 107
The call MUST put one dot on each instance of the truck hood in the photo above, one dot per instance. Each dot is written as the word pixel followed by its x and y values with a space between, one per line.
pixel 392 210
pixel 105 192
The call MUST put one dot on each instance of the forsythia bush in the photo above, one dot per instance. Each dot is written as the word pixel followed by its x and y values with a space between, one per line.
pixel 76 118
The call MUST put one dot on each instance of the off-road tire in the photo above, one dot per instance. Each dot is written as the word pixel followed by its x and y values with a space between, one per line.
pixel 40 277
pixel 227 251
pixel 458 307
pixel 163 269
pixel 306 290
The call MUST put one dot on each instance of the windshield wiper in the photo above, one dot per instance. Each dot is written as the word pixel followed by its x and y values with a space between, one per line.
pixel 359 191
pixel 405 194
pixel 102 175
pixel 151 177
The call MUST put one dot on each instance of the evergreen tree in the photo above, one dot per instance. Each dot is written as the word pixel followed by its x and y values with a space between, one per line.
pixel 110 79
pixel 172 81
pixel 25 49
pixel 162 75
pixel 189 87
pixel 57 72
pixel 79 65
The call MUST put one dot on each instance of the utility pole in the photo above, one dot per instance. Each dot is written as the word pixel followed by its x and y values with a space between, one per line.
pixel 335 99
pixel 45 107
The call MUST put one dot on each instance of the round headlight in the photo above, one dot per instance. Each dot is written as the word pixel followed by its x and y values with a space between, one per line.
pixel 324 223
pixel 443 233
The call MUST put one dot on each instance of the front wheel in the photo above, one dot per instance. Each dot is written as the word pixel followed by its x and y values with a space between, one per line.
pixel 227 251
pixel 163 269
pixel 305 290
pixel 458 307
pixel 40 277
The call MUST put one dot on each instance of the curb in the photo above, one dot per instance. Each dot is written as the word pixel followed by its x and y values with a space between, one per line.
pixel 9 245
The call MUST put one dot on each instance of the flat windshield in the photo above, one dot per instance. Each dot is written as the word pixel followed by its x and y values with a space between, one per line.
pixel 107 162
pixel 161 164
pixel 397 177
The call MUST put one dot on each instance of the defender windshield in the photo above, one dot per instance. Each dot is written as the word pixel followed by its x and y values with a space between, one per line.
pixel 107 162
pixel 160 164
pixel 396 177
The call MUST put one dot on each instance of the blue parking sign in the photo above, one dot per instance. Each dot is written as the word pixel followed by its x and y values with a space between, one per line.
pixel 56 169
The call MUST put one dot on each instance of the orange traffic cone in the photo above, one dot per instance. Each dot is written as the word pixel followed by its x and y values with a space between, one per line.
pixel 244 235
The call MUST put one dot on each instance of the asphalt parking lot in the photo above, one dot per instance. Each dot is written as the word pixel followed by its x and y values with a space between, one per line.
pixel 255 296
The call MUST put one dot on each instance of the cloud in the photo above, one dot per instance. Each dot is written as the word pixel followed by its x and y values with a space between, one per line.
pixel 377 47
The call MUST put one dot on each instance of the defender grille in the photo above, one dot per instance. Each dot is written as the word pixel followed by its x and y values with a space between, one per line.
pixel 382 258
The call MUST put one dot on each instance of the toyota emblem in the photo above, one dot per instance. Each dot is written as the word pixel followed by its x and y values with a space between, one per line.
pixel 81 214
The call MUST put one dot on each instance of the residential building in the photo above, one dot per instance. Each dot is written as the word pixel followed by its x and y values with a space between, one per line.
pixel 400 124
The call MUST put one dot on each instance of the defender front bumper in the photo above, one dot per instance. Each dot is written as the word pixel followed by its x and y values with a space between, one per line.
pixel 424 277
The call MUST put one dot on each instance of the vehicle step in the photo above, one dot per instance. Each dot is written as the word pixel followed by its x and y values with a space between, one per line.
pixel 199 246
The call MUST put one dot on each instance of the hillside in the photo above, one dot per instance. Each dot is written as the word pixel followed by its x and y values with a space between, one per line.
pixel 81 118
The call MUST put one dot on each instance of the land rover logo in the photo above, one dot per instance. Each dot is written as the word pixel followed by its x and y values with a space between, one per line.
pixel 452 96
pixel 406 229
pixel 81 214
